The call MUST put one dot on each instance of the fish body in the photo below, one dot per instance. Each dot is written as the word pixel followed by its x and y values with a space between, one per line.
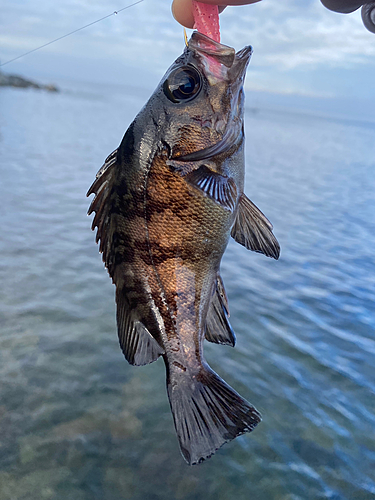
pixel 166 202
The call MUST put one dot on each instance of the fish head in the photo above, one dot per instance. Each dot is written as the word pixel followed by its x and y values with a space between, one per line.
pixel 203 100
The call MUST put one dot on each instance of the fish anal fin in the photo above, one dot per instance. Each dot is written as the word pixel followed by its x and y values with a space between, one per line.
pixel 253 230
pixel 218 328
pixel 207 413
pixel 222 293
pixel 137 343
pixel 220 188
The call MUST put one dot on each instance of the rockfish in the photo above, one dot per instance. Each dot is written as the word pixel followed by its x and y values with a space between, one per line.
pixel 166 202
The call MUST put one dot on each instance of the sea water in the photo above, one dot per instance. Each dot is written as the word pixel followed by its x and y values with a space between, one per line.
pixel 77 422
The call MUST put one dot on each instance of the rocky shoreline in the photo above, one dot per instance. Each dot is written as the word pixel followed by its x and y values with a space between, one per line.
pixel 20 82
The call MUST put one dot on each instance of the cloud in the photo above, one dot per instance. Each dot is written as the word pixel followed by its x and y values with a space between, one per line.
pixel 136 33
pixel 299 46
pixel 288 35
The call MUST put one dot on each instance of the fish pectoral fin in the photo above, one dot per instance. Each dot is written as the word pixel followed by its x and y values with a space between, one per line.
pixel 218 187
pixel 218 328
pixel 137 343
pixel 253 230
pixel 207 412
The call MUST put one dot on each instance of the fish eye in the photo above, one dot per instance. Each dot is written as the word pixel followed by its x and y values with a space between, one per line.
pixel 183 84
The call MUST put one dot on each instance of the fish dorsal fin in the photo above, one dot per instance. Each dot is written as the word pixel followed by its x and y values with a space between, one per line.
pixel 137 343
pixel 218 328
pixel 101 204
pixel 253 230
pixel 220 188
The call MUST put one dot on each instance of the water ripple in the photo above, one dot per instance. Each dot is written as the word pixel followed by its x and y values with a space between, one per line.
pixel 77 422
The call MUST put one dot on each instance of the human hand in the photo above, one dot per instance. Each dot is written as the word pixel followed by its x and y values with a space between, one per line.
pixel 347 6
pixel 343 6
pixel 182 10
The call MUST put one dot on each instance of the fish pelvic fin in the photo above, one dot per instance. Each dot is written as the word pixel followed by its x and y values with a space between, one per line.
pixel 218 328
pixel 207 412
pixel 253 230
pixel 137 343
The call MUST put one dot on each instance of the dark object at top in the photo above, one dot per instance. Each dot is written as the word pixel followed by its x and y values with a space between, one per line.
pixel 347 6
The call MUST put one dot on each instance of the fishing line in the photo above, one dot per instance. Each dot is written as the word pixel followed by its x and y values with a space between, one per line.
pixel 71 33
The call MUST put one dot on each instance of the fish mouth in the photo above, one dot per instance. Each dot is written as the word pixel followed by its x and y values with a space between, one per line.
pixel 233 64
pixel 240 64
pixel 207 47
pixel 221 62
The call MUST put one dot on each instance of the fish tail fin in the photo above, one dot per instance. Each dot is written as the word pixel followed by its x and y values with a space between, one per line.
pixel 207 412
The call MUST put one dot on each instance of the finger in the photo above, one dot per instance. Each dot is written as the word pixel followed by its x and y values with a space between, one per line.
pixel 182 11
pixel 344 6
pixel 229 2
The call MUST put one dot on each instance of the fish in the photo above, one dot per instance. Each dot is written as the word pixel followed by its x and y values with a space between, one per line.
pixel 166 202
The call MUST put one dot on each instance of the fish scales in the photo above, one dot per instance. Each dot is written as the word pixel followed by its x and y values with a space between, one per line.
pixel 185 254
pixel 166 202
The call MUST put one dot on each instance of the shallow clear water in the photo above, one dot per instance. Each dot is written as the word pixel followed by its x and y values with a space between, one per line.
pixel 77 422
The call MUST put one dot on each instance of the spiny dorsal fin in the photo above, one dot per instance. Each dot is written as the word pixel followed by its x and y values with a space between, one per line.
pixel 101 204
pixel 218 328
pixel 220 188
pixel 137 344
pixel 253 230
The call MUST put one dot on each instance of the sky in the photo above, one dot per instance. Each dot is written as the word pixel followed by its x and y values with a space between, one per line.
pixel 300 47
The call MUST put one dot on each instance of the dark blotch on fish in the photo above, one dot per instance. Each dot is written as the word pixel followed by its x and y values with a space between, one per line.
pixel 166 202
